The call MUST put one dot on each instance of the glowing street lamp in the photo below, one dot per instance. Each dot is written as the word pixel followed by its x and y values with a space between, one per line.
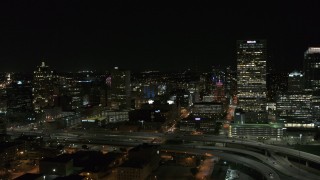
pixel 142 121
pixel 299 151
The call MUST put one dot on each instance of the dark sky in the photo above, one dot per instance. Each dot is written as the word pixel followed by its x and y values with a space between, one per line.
pixel 137 35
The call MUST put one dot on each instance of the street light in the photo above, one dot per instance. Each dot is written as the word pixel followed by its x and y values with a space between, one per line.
pixel 142 122
pixel 299 152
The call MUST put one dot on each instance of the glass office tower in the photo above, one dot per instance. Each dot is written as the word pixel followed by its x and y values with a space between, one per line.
pixel 251 74
pixel 311 68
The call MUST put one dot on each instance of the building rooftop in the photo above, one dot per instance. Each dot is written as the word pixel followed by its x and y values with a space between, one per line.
pixel 71 177
pixel 59 159
pixel 207 103
pixel 134 164
pixel 313 50
pixel 295 73
pixel 29 176
pixel 140 155
pixel 93 161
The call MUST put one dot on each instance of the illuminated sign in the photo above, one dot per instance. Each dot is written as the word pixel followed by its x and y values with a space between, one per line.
pixel 197 119
pixel 88 120
pixel 251 42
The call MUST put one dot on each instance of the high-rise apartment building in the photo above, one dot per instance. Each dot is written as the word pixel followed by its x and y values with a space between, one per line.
pixel 251 74
pixel 311 68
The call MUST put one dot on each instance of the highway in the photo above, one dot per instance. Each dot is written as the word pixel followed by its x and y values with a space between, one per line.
pixel 260 167
pixel 276 162
pixel 135 138
pixel 258 145
pixel 111 135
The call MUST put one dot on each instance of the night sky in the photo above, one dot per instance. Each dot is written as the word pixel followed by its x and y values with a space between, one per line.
pixel 159 35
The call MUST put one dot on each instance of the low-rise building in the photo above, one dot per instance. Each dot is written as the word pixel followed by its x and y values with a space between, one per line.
pixel 142 160
pixel 272 130
pixel 60 166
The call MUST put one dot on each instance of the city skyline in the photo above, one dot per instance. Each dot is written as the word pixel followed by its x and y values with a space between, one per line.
pixel 138 36
pixel 156 90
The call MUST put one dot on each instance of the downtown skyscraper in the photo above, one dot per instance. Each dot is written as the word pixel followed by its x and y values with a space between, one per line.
pixel 251 74
pixel 119 92
pixel 311 68
pixel 42 91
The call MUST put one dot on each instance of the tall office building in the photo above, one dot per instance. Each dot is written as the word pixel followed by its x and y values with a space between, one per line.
pixel 295 106
pixel 311 68
pixel 119 94
pixel 219 93
pixel 277 83
pixel 70 93
pixel 19 98
pixel 230 82
pixel 295 82
pixel 251 74
pixel 42 91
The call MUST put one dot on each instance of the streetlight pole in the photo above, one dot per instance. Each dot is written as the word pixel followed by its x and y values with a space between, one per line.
pixel 142 123
pixel 299 152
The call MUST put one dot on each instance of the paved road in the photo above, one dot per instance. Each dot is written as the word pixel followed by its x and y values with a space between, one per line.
pixel 277 162
pixel 260 167
pixel 135 138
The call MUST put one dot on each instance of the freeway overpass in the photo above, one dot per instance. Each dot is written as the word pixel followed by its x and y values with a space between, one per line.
pixel 198 138
pixel 266 147
pixel 258 166
pixel 135 138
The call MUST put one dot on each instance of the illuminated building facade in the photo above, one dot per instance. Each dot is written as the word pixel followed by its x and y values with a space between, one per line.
pixel 181 97
pixel 311 68
pixel 315 104
pixel 219 93
pixel 298 105
pixel 197 124
pixel 295 107
pixel 257 130
pixel 251 74
pixel 119 94
pixel 70 93
pixel 149 91
pixel 203 117
pixel 43 83
pixel 210 110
